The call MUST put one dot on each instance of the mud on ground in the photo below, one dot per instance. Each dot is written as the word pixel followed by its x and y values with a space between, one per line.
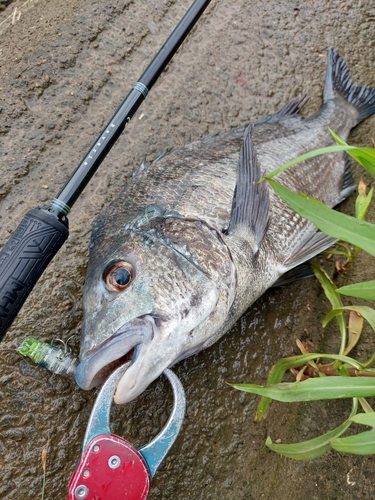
pixel 65 67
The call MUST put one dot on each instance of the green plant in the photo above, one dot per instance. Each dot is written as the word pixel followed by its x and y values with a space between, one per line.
pixel 343 376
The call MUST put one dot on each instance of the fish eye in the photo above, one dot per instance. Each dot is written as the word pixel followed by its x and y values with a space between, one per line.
pixel 118 276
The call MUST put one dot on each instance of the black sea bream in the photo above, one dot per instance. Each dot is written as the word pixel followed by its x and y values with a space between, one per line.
pixel 194 240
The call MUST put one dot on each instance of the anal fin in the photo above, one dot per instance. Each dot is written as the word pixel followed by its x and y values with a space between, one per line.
pixel 300 272
pixel 348 183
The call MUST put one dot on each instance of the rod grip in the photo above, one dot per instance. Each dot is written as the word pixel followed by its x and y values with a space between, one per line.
pixel 25 256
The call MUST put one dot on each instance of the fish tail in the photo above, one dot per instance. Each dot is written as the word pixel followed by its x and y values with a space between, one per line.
pixel 338 81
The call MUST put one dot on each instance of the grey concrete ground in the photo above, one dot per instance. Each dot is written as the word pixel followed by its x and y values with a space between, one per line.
pixel 65 66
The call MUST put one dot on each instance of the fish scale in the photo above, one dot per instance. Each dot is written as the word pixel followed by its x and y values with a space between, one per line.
pixel 203 239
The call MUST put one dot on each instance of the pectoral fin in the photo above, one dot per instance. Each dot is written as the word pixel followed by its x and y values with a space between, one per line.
pixel 297 267
pixel 317 243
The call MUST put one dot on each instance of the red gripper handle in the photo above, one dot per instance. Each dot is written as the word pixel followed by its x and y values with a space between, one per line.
pixel 110 469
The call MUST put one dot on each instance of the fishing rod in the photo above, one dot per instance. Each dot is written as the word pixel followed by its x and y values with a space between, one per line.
pixel 43 230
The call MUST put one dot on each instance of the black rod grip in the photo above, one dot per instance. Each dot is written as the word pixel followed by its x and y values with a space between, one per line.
pixel 26 255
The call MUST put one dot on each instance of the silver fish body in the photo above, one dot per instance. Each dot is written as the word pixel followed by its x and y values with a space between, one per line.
pixel 194 240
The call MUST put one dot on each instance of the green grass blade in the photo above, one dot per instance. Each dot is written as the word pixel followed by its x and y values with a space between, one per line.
pixel 314 389
pixel 365 405
pixel 364 290
pixel 337 252
pixel 341 226
pixel 362 203
pixel 360 444
pixel 367 312
pixel 307 156
pixel 283 365
pixel 338 139
pixel 327 285
pixel 364 419
pixel 313 448
pixel 364 156
pixel 334 298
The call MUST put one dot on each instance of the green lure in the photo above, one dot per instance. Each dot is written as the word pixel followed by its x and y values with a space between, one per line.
pixel 57 360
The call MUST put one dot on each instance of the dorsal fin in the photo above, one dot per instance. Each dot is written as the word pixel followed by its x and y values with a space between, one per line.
pixel 146 164
pixel 291 109
pixel 250 205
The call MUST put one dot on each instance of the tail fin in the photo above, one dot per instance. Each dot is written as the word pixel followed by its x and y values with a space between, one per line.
pixel 338 81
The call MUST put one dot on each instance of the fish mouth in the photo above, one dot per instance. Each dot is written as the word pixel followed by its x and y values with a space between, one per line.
pixel 124 345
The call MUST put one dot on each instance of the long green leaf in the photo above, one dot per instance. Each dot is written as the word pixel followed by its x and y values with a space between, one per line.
pixel 307 156
pixel 364 419
pixel 364 290
pixel 327 285
pixel 314 389
pixel 334 298
pixel 362 203
pixel 338 139
pixel 365 405
pixel 367 312
pixel 364 156
pixel 278 370
pixel 360 444
pixel 341 226
pixel 313 448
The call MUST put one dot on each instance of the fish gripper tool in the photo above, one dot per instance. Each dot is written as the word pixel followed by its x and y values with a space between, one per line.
pixel 111 468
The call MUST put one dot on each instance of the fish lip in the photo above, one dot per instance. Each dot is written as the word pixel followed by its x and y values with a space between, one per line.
pixel 92 371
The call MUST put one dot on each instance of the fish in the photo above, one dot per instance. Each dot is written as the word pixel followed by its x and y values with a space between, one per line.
pixel 194 239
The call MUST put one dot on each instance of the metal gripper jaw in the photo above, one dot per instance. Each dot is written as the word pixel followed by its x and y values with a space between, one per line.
pixel 110 467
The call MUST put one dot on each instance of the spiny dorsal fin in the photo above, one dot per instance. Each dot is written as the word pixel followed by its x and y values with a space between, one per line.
pixel 291 109
pixel 338 80
pixel 250 205
pixel 145 164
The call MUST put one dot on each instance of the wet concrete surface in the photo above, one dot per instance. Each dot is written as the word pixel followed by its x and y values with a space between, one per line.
pixel 65 67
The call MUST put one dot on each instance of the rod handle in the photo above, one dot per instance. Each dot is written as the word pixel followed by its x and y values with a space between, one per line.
pixel 24 258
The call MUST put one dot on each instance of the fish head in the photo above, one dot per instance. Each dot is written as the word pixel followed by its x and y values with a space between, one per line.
pixel 151 296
